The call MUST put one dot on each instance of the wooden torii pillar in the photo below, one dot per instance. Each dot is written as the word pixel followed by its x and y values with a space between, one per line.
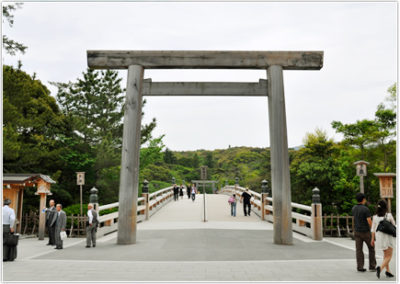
pixel 274 62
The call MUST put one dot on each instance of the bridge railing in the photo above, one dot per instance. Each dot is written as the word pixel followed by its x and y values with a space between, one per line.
pixel 145 209
pixel 306 219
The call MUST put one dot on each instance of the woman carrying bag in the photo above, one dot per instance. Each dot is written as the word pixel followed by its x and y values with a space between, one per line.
pixel 385 239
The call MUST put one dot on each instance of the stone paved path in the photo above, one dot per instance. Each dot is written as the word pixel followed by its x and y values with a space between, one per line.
pixel 174 245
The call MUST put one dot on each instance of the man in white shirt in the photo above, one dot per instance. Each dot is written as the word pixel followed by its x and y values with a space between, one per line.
pixel 8 228
pixel 91 226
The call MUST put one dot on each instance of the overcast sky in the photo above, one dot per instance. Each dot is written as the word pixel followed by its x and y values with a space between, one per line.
pixel 358 40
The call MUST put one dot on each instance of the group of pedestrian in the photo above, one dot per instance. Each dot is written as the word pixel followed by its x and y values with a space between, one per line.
pixel 191 191
pixel 245 198
pixel 56 221
pixel 178 191
pixel 372 232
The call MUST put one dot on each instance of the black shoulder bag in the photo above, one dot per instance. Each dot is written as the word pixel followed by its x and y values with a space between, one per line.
pixel 386 227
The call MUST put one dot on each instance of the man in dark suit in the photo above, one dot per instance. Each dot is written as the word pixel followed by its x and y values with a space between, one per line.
pixel 61 222
pixel 51 222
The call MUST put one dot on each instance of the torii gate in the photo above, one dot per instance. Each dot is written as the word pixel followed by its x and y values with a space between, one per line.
pixel 272 61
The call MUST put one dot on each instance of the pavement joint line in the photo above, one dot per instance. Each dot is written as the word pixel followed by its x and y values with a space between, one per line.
pixel 339 245
pixel 304 238
pixel 347 247
pixel 189 262
pixel 52 251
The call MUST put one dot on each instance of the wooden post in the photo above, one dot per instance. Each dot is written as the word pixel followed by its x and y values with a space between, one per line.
pixel 263 201
pixel 146 204
pixel 129 178
pixel 280 174
pixel 19 212
pixel 42 216
pixel 316 216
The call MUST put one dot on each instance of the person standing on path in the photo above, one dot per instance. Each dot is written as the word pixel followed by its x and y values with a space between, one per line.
pixel 181 191
pixel 188 190
pixel 176 192
pixel 61 222
pixel 91 226
pixel 245 198
pixel 9 253
pixel 51 222
pixel 384 241
pixel 232 201
pixel 362 233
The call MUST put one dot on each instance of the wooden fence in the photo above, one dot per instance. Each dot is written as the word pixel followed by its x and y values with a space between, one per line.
pixel 76 225
pixel 338 226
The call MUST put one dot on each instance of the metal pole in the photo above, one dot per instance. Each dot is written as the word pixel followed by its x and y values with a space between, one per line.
pixel 204 201
pixel 81 198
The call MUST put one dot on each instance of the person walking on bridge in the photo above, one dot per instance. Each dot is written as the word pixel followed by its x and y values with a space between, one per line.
pixel 362 233
pixel 232 201
pixel 188 190
pixel 384 241
pixel 91 226
pixel 193 192
pixel 181 191
pixel 245 198
pixel 176 192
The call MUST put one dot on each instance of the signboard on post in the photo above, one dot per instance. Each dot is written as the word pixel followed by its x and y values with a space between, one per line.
pixel 385 184
pixel 386 187
pixel 361 168
pixel 203 172
pixel 80 178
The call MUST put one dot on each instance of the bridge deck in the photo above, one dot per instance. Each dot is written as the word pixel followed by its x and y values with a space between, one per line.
pixel 175 245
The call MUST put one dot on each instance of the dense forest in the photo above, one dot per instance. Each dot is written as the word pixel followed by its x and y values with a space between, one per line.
pixel 80 129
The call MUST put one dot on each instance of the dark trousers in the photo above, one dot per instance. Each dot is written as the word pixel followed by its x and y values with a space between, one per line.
pixel 361 237
pixel 248 205
pixel 9 253
pixel 176 196
pixel 52 235
pixel 193 196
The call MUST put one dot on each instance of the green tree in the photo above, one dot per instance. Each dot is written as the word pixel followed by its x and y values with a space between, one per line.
pixel 318 164
pixel 195 161
pixel 11 46
pixel 94 105
pixel 209 160
pixel 359 134
pixel 169 157
pixel 32 123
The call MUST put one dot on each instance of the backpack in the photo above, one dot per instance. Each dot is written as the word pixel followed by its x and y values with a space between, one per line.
pixel 231 200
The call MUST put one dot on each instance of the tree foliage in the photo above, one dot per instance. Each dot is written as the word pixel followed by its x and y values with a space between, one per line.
pixel 9 45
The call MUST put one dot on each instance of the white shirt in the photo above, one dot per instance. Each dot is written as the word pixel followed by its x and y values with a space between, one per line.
pixel 8 216
pixel 90 215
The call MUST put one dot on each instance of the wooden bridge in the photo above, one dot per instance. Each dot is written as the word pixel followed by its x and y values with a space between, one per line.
pixel 305 221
